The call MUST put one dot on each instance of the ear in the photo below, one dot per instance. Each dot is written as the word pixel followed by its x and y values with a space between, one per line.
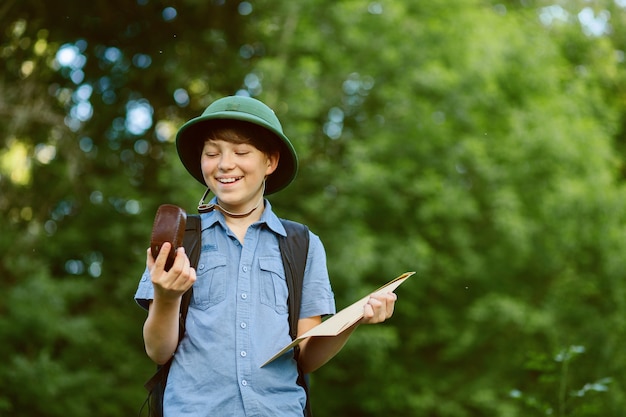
pixel 272 163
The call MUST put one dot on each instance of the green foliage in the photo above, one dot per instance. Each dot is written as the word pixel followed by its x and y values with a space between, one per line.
pixel 477 143
pixel 552 378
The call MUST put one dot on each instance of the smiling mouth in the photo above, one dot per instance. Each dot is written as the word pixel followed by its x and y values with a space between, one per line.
pixel 228 180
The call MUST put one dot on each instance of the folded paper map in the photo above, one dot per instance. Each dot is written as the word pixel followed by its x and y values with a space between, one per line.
pixel 344 319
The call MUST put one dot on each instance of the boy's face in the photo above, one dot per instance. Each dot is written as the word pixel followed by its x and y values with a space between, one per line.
pixel 235 172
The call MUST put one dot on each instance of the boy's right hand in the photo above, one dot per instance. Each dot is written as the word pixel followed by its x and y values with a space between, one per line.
pixel 172 284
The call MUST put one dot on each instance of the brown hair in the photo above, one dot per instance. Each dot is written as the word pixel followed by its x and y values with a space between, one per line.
pixel 237 131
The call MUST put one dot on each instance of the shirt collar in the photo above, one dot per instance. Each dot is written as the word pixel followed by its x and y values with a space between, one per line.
pixel 268 217
pixel 271 219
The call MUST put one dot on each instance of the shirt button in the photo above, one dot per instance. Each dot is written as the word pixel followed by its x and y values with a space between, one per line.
pixel 243 325
pixel 243 354
pixel 244 269
pixel 244 382
pixel 244 295
pixel 201 266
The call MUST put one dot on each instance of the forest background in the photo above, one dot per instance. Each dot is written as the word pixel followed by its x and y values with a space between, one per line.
pixel 480 143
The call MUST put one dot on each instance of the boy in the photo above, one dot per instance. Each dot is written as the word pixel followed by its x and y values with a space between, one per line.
pixel 238 314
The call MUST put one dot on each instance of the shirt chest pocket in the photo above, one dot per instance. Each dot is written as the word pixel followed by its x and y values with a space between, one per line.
pixel 211 281
pixel 273 285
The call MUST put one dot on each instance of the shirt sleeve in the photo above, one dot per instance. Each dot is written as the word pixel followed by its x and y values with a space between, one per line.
pixel 145 291
pixel 317 294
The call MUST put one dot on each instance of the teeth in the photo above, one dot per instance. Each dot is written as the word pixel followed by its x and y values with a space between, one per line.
pixel 227 180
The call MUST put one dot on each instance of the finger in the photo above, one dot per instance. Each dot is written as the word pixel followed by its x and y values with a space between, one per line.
pixel 161 258
pixel 184 273
pixel 382 310
pixel 375 301
pixel 181 263
pixel 192 276
pixel 368 312
pixel 389 300
pixel 149 259
pixel 181 257
pixel 377 308
pixel 191 279
pixel 391 303
pixel 383 305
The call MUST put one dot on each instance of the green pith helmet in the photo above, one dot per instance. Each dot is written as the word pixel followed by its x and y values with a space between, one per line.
pixel 245 109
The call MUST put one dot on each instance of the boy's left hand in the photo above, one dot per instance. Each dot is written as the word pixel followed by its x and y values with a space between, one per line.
pixel 379 308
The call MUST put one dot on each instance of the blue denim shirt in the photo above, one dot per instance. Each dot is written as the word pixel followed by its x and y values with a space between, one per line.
pixel 237 320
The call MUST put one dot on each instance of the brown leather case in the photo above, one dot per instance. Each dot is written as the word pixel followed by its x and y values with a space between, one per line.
pixel 169 226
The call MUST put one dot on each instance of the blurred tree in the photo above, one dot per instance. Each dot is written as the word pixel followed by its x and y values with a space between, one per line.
pixel 91 97
pixel 463 143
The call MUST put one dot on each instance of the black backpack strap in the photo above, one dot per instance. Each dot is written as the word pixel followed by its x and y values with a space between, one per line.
pixel 192 244
pixel 294 250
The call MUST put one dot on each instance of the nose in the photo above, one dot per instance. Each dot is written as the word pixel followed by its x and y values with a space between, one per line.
pixel 226 161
